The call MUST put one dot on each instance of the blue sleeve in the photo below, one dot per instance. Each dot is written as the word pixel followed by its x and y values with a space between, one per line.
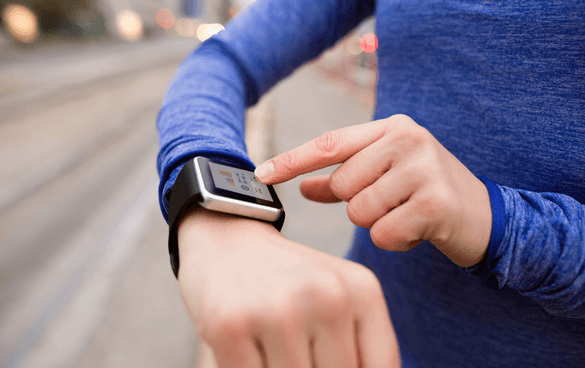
pixel 537 247
pixel 204 108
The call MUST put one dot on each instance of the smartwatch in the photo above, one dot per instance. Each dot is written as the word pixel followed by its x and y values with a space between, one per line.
pixel 221 187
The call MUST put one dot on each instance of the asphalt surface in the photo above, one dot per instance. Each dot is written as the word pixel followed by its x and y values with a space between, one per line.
pixel 84 274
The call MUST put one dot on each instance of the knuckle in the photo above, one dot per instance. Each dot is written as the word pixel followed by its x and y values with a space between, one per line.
pixel 420 135
pixel 226 326
pixel 435 207
pixel 416 173
pixel 285 317
pixel 353 212
pixel 401 119
pixel 427 203
pixel 378 238
pixel 414 134
pixel 367 286
pixel 287 308
pixel 338 186
pixel 432 203
pixel 328 143
pixel 370 287
pixel 396 121
pixel 360 208
pixel 335 298
pixel 387 237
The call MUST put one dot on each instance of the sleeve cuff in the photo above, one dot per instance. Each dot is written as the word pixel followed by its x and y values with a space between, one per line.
pixel 483 268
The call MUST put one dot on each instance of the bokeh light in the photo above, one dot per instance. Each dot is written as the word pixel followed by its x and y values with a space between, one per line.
pixel 369 42
pixel 21 23
pixel 247 3
pixel 186 27
pixel 129 25
pixel 204 31
pixel 165 18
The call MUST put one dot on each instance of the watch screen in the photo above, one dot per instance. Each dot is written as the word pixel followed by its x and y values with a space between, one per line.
pixel 238 181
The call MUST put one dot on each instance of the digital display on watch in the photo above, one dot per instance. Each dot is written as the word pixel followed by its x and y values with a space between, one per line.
pixel 238 181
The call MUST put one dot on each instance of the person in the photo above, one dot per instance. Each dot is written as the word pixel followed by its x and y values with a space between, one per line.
pixel 467 190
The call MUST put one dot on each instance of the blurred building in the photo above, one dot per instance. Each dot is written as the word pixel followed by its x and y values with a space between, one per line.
pixel 26 20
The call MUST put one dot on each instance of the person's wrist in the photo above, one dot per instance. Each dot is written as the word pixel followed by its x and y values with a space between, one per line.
pixel 210 226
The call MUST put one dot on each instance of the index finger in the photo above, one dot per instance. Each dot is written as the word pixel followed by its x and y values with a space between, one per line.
pixel 331 148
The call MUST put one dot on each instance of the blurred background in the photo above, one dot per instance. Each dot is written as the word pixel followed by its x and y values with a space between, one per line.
pixel 85 279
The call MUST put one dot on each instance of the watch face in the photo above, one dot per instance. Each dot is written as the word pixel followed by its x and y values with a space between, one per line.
pixel 235 190
pixel 238 181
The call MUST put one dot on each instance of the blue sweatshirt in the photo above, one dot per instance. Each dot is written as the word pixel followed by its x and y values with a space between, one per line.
pixel 501 84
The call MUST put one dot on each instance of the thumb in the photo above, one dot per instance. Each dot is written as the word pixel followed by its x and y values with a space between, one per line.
pixel 316 188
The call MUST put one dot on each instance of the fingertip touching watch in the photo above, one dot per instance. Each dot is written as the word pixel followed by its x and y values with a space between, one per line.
pixel 216 186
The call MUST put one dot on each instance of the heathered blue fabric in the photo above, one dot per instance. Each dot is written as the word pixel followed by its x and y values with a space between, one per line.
pixel 501 84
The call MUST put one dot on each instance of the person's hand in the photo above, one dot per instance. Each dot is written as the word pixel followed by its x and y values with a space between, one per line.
pixel 399 181
pixel 262 301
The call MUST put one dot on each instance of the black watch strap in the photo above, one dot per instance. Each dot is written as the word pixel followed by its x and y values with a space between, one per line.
pixel 185 197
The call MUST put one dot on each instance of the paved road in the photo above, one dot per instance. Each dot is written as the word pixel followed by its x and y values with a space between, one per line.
pixel 84 273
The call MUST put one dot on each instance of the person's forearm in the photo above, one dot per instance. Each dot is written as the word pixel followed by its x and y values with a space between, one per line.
pixel 202 114
pixel 203 111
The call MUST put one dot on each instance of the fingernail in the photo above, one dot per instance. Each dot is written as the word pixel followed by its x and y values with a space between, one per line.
pixel 264 171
